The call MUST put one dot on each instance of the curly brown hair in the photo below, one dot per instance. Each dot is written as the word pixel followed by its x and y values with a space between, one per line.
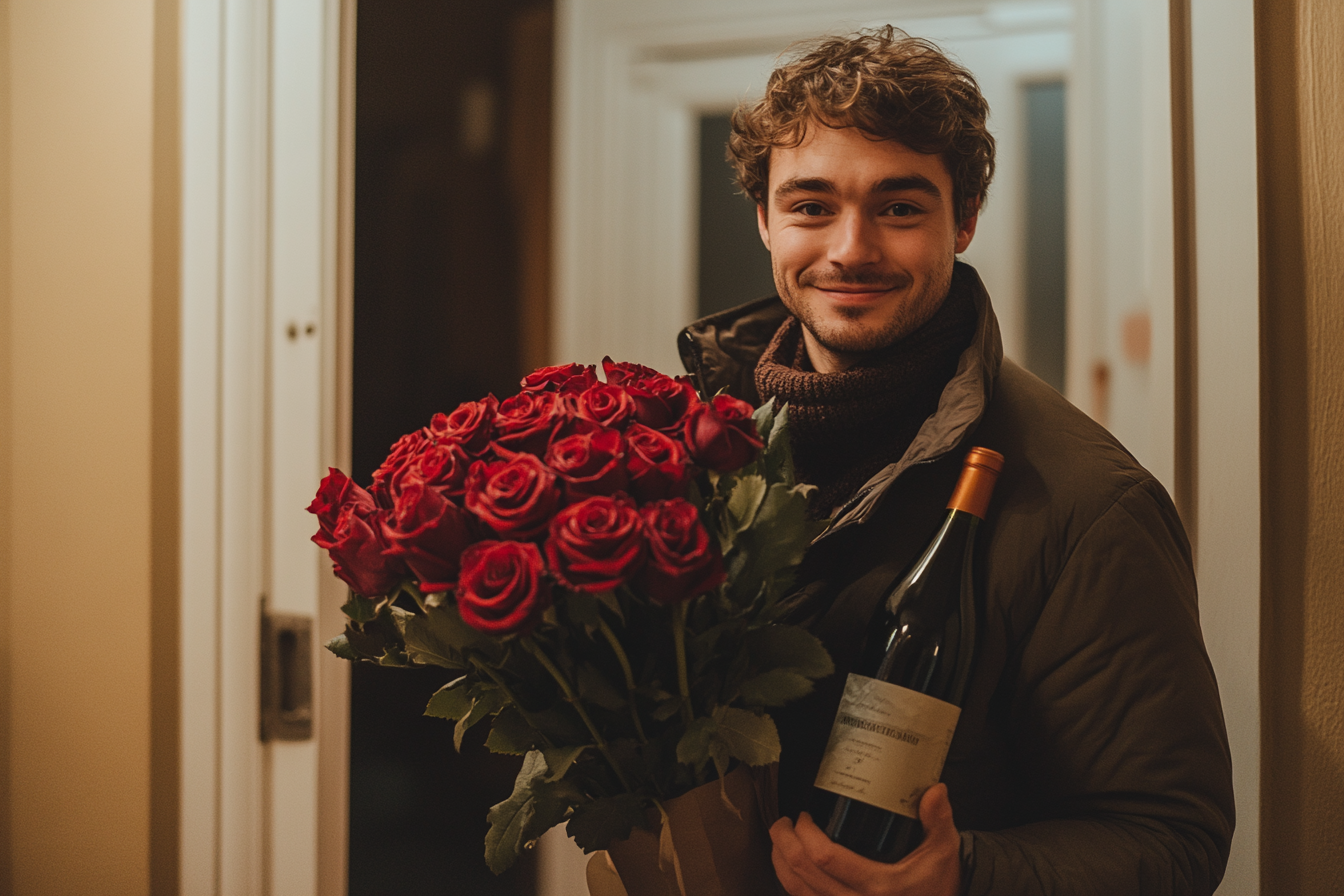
pixel 887 84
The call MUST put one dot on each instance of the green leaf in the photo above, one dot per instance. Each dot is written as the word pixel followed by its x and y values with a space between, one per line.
pixel 774 688
pixel 744 501
pixel 452 701
pixel 777 459
pixel 511 733
pixel 340 645
pixel 789 647
pixel 749 737
pixel 359 609
pixel 441 638
pixel 667 709
pixel 509 820
pixel 765 417
pixel 594 688
pixel 559 759
pixel 596 825
pixel 488 701
pixel 693 748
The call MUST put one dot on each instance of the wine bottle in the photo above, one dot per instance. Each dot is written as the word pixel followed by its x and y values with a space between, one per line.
pixel 900 706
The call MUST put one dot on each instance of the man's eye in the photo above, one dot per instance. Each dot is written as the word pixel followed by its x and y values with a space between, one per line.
pixel 812 209
pixel 902 210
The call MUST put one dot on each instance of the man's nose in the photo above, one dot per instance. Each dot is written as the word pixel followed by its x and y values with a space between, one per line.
pixel 854 241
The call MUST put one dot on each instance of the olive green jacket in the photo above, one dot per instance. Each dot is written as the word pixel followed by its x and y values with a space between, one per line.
pixel 1091 756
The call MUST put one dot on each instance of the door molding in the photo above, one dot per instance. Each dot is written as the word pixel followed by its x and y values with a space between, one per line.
pixel 261 411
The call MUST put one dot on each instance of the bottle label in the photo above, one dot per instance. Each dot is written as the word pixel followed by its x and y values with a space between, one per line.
pixel 887 745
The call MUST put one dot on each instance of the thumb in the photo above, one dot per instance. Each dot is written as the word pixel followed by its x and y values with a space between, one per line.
pixel 935 813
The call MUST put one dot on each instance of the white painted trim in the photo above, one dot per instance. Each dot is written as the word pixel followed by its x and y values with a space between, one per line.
pixel 259 250
pixel 1227 483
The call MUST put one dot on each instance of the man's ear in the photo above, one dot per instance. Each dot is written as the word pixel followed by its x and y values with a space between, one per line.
pixel 761 225
pixel 966 231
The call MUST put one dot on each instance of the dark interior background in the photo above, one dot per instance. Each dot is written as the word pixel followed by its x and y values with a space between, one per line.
pixel 445 135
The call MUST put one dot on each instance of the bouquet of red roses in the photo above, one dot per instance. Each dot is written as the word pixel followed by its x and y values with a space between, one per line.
pixel 602 562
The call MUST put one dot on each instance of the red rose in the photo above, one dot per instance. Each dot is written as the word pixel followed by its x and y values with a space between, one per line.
pixel 721 435
pixel 623 373
pixel 591 463
pixel 406 448
pixel 658 465
pixel 503 588
pixel 597 544
pixel 560 378
pixel 516 497
pixel 359 554
pixel 606 405
pixel 525 421
pixel 429 533
pixel 661 402
pixel 442 466
pixel 471 425
pixel 683 561
pixel 336 491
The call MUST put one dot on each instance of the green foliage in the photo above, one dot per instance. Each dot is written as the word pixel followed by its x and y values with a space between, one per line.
pixel 595 825
pixel 340 645
pixel 452 701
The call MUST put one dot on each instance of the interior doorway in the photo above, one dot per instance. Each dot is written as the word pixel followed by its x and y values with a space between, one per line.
pixel 452 108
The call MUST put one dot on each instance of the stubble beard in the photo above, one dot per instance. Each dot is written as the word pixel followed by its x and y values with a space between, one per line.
pixel 853 337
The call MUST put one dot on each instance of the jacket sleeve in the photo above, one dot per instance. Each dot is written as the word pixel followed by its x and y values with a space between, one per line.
pixel 1116 726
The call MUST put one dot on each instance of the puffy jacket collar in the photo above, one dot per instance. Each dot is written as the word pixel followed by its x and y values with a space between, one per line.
pixel 721 351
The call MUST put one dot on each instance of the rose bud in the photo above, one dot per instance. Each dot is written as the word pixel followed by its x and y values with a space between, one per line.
pixel 623 373
pixel 359 555
pixel 516 498
pixel 591 463
pixel 658 465
pixel 606 405
pixel 404 450
pixel 471 425
pixel 569 378
pixel 428 532
pixel 721 435
pixel 661 402
pixel 336 491
pixel 526 421
pixel 502 589
pixel 596 544
pixel 683 561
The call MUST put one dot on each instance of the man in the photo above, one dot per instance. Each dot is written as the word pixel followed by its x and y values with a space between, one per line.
pixel 1090 756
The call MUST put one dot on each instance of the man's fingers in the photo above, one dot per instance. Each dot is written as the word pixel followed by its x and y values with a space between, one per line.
pixel 935 814
pixel 788 857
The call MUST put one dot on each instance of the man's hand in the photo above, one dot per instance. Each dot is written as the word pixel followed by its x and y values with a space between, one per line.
pixel 809 864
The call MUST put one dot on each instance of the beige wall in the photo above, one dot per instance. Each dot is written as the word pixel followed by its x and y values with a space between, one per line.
pixel 1302 290
pixel 89 441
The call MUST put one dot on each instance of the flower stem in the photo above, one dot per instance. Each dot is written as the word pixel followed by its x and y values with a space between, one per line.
pixel 679 640
pixel 568 690
pixel 629 675
pixel 511 697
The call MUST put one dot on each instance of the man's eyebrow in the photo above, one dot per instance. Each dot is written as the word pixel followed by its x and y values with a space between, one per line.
pixel 804 185
pixel 916 182
pixel 906 183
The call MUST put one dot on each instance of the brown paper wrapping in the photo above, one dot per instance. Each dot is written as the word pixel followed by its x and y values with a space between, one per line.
pixel 715 852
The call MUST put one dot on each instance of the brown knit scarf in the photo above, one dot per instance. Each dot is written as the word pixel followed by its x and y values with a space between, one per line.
pixel 847 426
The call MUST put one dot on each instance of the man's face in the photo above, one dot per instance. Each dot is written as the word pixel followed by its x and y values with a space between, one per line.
pixel 862 236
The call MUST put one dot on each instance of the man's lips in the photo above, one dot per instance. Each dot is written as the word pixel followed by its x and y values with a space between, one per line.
pixel 854 295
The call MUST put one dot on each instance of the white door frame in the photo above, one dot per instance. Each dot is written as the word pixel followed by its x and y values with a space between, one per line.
pixel 260 419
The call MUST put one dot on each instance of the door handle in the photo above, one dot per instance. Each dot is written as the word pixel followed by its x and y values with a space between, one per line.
pixel 286 676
